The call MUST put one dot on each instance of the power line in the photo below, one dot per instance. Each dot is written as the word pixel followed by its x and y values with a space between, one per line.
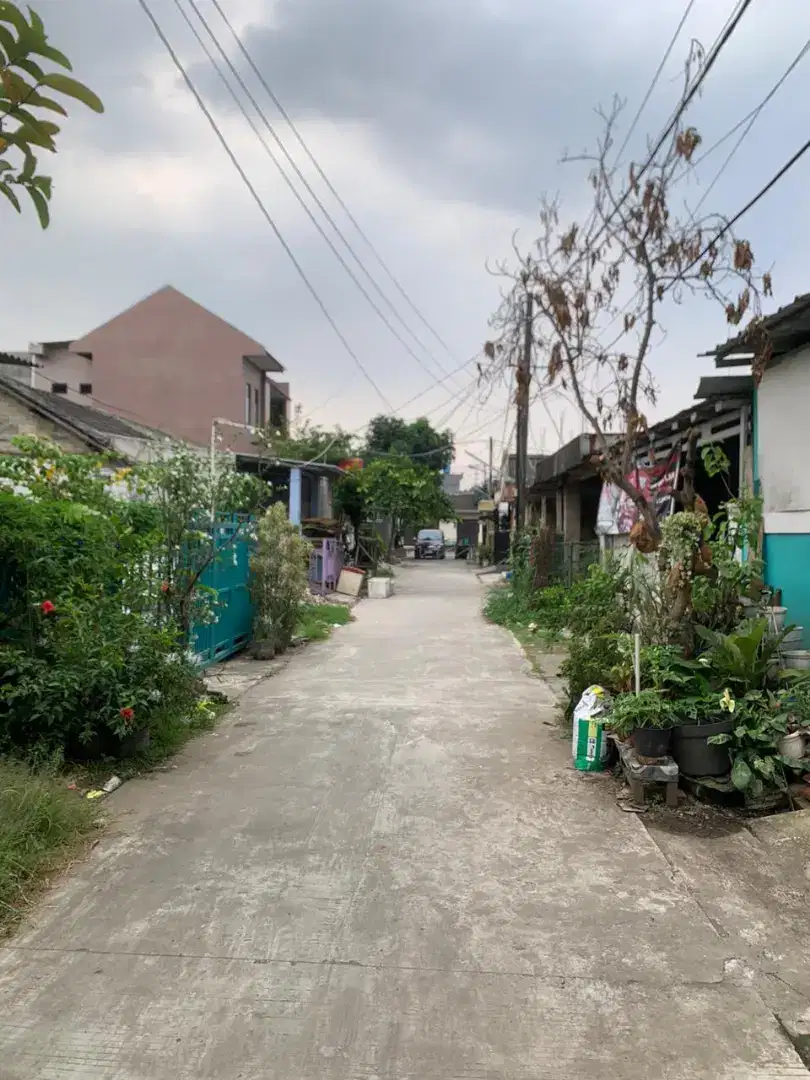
pixel 752 202
pixel 754 112
pixel 434 384
pixel 257 198
pixel 654 82
pixel 748 120
pixel 297 195
pixel 431 386
pixel 722 40
pixel 751 119
pixel 748 206
pixel 456 408
pixel 243 49
pixel 455 403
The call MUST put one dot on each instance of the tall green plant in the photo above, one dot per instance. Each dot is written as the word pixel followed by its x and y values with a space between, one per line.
pixel 188 499
pixel 280 565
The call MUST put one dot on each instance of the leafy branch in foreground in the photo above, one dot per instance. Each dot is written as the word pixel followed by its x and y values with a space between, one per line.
pixel 27 107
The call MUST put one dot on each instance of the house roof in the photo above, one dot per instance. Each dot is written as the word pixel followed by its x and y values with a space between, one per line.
pixel 788 329
pixel 533 461
pixel 252 351
pixel 725 386
pixel 281 388
pixel 98 428
pixel 465 502
pixel 16 360
pixel 574 454
pixel 717 396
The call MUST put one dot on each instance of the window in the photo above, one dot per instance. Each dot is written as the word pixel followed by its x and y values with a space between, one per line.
pixel 248 400
pixel 257 416
pixel 59 388
pixel 85 388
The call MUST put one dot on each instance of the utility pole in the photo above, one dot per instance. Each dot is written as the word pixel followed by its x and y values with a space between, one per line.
pixel 523 379
pixel 491 487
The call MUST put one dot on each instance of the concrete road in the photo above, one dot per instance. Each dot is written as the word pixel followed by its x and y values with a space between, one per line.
pixel 382 868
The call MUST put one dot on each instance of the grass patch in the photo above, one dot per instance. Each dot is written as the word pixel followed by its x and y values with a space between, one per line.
pixel 539 618
pixel 43 824
pixel 45 818
pixel 317 621
pixel 169 733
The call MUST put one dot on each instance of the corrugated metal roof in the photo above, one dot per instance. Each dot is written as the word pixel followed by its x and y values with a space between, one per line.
pixel 788 329
pixel 16 359
pixel 85 417
pixel 725 386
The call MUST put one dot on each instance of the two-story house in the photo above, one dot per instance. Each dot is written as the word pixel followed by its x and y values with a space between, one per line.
pixel 171 364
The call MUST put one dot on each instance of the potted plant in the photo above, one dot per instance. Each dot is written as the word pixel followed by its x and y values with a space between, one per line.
pixel 702 719
pixel 792 705
pixel 731 666
pixel 647 717
pixel 760 726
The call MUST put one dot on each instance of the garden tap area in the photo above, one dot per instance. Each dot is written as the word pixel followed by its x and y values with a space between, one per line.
pixel 679 667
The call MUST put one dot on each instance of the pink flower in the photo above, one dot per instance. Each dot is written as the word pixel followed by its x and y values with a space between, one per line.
pixel 47 608
pixel 127 715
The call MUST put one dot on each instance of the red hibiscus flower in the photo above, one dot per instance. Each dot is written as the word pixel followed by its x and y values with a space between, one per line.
pixel 128 715
pixel 47 607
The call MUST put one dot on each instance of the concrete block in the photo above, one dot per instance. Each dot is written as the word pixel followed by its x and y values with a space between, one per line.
pixel 380 588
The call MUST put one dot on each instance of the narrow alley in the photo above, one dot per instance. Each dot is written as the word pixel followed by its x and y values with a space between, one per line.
pixel 381 867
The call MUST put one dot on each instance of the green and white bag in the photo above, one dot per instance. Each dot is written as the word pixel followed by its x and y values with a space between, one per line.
pixel 589 747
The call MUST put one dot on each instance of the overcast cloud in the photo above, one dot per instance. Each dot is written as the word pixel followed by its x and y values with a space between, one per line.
pixel 440 122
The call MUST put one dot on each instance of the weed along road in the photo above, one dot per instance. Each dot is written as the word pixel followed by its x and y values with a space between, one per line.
pixel 381 867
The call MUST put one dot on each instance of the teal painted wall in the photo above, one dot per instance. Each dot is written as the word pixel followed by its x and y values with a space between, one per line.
pixel 787 567
pixel 787 559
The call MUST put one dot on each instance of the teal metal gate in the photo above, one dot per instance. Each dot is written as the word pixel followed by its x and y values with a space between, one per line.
pixel 229 576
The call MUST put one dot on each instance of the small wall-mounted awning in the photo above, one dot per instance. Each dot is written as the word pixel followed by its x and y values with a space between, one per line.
pixel 264 362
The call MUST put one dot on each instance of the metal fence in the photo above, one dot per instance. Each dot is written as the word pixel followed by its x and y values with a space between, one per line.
pixel 571 560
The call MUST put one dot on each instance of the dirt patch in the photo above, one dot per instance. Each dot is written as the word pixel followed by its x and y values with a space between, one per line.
pixel 694 818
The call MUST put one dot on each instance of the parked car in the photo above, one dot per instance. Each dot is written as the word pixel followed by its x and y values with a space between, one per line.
pixel 429 544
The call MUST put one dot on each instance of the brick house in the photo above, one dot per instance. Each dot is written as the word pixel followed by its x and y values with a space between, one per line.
pixel 169 363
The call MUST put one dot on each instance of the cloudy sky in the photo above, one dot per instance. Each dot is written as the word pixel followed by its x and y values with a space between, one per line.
pixel 440 122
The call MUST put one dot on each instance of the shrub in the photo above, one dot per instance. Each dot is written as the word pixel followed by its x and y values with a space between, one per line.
pixel 96 673
pixel 280 567
pixel 591 659
pixel 597 604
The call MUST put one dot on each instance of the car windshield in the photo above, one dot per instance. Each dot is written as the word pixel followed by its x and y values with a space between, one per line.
pixel 430 534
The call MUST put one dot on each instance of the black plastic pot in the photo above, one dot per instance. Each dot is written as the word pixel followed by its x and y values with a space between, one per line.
pixel 652 742
pixel 105 744
pixel 695 755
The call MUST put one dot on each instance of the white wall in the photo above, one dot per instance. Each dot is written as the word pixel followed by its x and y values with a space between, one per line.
pixel 783 422
pixel 64 366
pixel 450 530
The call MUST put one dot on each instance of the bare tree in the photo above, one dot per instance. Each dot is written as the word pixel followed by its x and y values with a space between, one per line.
pixel 599 286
